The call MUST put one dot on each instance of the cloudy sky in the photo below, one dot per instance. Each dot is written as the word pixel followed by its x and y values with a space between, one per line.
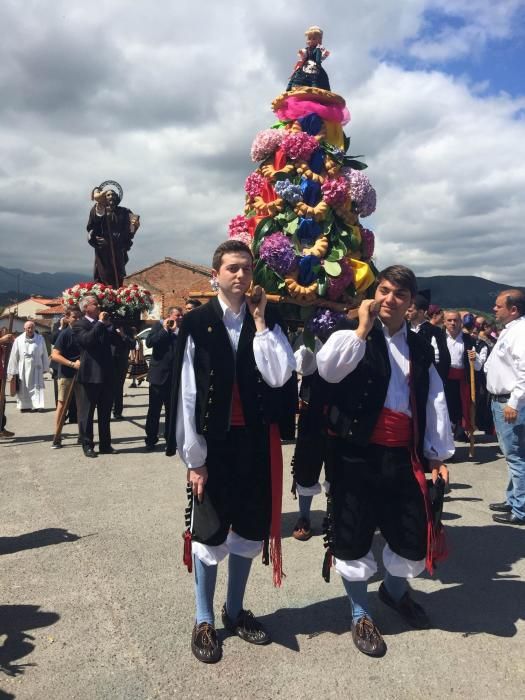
pixel 165 96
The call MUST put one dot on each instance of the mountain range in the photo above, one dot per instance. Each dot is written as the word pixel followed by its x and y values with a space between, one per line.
pixel 449 291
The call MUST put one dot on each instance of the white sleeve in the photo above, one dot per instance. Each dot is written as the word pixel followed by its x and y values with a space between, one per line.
pixel 438 442
pixel 340 355
pixel 273 356
pixel 12 367
pixel 483 354
pixel 191 446
pixel 434 344
pixel 306 359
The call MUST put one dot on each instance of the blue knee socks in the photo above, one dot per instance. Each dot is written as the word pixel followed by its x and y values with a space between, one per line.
pixel 238 572
pixel 205 579
pixel 357 592
pixel 305 503
pixel 396 586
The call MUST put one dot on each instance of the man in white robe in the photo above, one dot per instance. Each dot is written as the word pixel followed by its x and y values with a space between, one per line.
pixel 29 361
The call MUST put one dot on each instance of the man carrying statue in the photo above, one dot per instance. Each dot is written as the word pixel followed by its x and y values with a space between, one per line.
pixel 111 229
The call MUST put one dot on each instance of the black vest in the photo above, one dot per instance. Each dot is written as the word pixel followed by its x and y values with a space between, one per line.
pixel 358 399
pixel 217 367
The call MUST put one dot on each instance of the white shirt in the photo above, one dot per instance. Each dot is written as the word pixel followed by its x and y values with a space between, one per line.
pixel 273 357
pixel 505 366
pixel 456 348
pixel 344 350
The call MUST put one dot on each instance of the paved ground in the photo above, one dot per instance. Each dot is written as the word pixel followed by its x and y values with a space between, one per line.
pixel 95 602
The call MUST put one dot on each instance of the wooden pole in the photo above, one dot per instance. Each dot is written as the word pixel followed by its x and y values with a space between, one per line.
pixel 472 407
pixel 278 299
pixel 3 385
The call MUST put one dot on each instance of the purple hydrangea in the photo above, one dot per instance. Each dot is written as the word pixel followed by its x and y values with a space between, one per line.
pixel 363 194
pixel 337 285
pixel 323 322
pixel 278 253
pixel 288 191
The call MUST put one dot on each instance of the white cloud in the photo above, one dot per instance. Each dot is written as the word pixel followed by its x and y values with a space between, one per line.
pixel 166 99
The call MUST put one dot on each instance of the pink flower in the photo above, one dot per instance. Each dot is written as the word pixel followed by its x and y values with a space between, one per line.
pixel 265 143
pixel 335 191
pixel 238 225
pixel 299 146
pixel 254 184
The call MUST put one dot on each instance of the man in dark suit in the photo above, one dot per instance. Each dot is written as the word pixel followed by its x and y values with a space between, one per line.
pixel 95 385
pixel 162 340
pixel 419 323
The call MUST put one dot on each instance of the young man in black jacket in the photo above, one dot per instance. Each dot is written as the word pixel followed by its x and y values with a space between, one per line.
pixel 162 339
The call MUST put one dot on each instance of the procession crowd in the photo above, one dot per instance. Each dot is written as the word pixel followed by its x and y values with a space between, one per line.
pixel 380 401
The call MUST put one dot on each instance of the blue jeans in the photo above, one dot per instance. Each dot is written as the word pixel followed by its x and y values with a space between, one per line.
pixel 511 437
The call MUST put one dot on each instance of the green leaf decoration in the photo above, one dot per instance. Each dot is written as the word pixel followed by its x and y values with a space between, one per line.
pixel 280 124
pixel 332 268
pixel 267 278
pixel 322 283
pixel 349 162
pixel 347 142
pixel 338 251
pixel 292 226
pixel 264 227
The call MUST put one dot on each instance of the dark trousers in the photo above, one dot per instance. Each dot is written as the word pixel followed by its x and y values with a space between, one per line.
pixel 453 397
pixel 159 396
pixel 375 487
pixel 238 491
pixel 121 369
pixel 89 397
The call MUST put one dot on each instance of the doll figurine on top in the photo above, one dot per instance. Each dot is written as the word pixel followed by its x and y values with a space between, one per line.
pixel 308 70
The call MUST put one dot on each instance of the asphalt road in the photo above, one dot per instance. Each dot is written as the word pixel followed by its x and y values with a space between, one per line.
pixel 95 602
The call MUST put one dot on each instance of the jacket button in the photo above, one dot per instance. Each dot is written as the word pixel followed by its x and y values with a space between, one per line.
pixel 355 420
pixel 369 381
pixel 211 373
pixel 210 400
pixel 366 393
pixel 207 415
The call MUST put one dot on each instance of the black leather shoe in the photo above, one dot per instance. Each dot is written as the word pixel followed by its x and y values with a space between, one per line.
pixel 118 416
pixel 500 507
pixel 204 643
pixel 508 519
pixel 367 637
pixel 149 448
pixel 246 626
pixel 108 451
pixel 411 612
pixel 89 452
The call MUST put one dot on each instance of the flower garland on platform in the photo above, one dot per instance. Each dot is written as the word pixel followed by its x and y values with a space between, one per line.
pixel 133 299
pixel 303 206
pixel 104 293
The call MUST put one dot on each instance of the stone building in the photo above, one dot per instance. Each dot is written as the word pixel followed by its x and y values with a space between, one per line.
pixel 171 282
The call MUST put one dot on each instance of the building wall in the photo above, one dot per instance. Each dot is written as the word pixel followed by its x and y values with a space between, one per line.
pixel 170 284
pixel 28 308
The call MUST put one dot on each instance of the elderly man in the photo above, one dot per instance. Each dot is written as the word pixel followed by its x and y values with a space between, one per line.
pixel 505 370
pixel 462 350
pixel 389 419
pixel 95 385
pixel 28 362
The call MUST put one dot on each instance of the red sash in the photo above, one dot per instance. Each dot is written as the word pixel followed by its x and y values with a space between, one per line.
pixel 395 429
pixel 457 374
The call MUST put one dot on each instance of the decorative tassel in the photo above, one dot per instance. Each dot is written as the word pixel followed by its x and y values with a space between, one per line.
pixel 327 565
pixel 187 559
pixel 276 467
pixel 266 552
pixel 276 557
